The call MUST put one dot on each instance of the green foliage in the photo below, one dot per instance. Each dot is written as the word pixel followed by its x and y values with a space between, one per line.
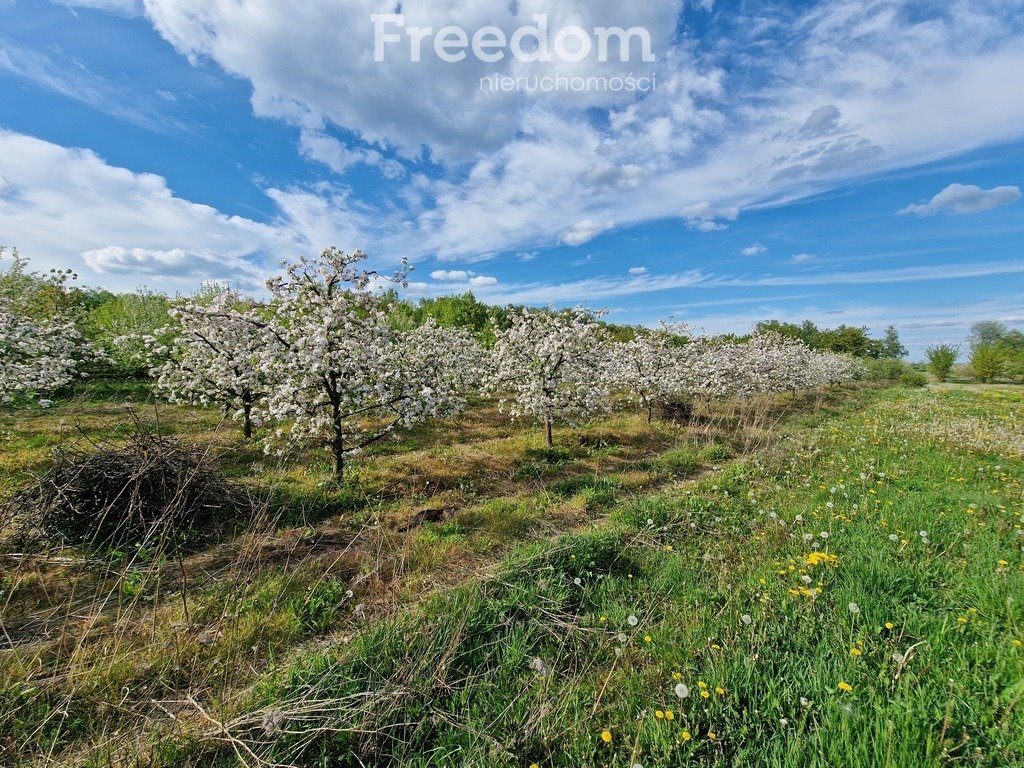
pixel 988 362
pixel 129 317
pixel 941 359
pixel 845 339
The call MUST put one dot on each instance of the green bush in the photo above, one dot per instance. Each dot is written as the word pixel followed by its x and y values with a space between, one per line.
pixel 912 378
pixel 988 362
pixel 941 359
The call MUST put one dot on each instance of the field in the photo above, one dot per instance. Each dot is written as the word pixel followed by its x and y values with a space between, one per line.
pixel 824 579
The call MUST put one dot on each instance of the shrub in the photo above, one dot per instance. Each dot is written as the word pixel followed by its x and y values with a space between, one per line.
pixel 912 378
pixel 987 362
pixel 885 369
pixel 151 488
pixel 941 359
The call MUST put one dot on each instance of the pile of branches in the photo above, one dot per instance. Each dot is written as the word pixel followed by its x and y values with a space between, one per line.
pixel 150 489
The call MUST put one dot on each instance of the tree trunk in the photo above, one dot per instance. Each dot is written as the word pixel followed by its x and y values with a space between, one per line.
pixel 650 413
pixel 247 420
pixel 547 432
pixel 339 461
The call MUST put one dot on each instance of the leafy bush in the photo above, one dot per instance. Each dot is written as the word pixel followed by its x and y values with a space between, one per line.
pixel 941 359
pixel 912 378
pixel 988 362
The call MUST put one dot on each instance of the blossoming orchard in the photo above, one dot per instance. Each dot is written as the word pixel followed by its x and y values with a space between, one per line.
pixel 322 362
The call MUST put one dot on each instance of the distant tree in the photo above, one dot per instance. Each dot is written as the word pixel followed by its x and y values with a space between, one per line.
pixel 847 340
pixel 891 347
pixel 648 367
pixel 549 366
pixel 988 362
pixel 118 324
pixel 941 359
pixel 987 332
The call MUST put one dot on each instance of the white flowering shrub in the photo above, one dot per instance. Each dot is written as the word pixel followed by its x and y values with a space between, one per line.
pixel 40 348
pixel 218 355
pixel 550 366
pixel 344 377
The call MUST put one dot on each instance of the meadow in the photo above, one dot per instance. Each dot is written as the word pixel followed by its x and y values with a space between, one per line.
pixel 822 578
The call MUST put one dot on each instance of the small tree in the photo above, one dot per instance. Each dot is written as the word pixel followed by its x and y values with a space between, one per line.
pixel 548 366
pixel 344 377
pixel 40 346
pixel 941 359
pixel 891 346
pixel 218 355
pixel 987 362
pixel 647 368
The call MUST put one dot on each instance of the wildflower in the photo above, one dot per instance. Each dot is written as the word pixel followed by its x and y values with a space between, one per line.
pixel 668 547
pixel 784 722
pixel 648 639
pixel 606 737
pixel 670 715
pixel 677 676
pixel 746 619
pixel 720 691
pixel 577 581
pixel 632 621
pixel 854 608
pixel 855 652
pixel 961 620
pixel 604 619
pixel 534 765
pixel 621 637
pixel 845 687
pixel 705 695
pixel 685 736
pixel 660 715
pixel 682 691
pixel 817 558
pixel 712 736
pixel 701 684
pixel 889 625
pixel 893 538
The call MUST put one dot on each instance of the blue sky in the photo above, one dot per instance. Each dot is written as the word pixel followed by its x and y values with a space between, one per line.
pixel 847 161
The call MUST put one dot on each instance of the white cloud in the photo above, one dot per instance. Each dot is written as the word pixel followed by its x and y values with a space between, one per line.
pixel 965 199
pixel 120 7
pixel 754 250
pixel 704 217
pixel 803 258
pixel 638 270
pixel 481 281
pixel 584 231
pixel 454 274
pixel 176 263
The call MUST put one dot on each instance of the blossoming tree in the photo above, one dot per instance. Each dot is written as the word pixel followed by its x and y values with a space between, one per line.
pixel 218 355
pixel 345 377
pixel 550 366
pixel 40 349
pixel 648 368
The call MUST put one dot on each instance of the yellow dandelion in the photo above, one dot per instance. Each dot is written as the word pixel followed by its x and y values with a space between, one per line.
pixel 855 652
pixel 889 625
pixel 648 639
pixel 705 695
pixel 701 684
pixel 670 715
pixel 685 736
pixel 660 715
pixel 712 735
pixel 677 676
pixel 606 737
pixel 845 687
pixel 720 691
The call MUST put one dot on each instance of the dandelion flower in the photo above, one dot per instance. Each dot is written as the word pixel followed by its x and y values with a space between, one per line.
pixel 632 621
pixel 845 687
pixel 670 715
pixel 606 737
pixel 660 715
pixel 746 619
pixel 720 691
pixel 682 691
pixel 889 625
pixel 854 608
pixel 648 639
pixel 712 735
pixel 856 652
pixel 685 736
pixel 705 695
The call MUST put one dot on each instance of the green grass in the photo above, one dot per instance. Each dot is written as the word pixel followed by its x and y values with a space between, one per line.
pixel 925 631
pixel 556 596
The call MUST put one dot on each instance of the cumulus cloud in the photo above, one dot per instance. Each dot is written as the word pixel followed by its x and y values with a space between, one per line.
pixel 481 281
pixel 638 270
pixel 803 258
pixel 965 199
pixel 754 250
pixel 453 274
pixel 585 231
